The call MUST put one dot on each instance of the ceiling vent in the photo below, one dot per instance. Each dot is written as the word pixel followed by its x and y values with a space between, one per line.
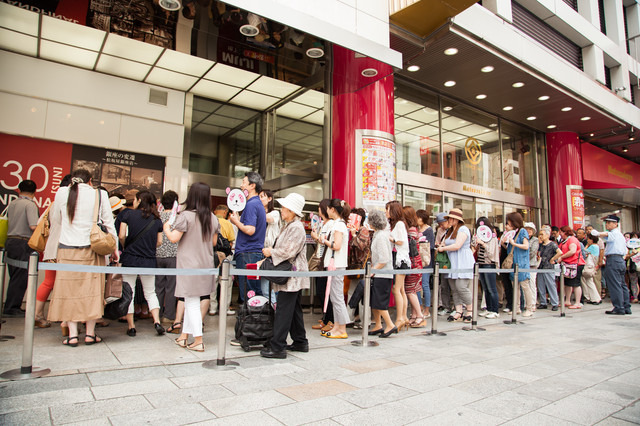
pixel 158 97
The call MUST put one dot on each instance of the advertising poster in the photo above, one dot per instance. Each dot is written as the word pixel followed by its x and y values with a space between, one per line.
pixel 44 162
pixel 575 206
pixel 378 171
pixel 120 171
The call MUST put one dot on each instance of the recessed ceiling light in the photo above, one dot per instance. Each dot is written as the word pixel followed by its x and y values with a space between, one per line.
pixel 625 149
pixel 462 122
pixel 507 108
pixel 249 30
pixel 34 109
pixel 449 83
pixel 565 109
pixel 488 68
pixel 170 4
pixel 585 119
pixel 551 126
pixel 543 98
pixel 451 51
pixel 369 72
pixel 315 52
pixel 517 84
pixel 591 134
pixel 533 117
pixel 413 68
pixel 447 108
pixel 481 96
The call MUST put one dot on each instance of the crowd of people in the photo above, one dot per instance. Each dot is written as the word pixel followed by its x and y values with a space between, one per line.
pixel 397 238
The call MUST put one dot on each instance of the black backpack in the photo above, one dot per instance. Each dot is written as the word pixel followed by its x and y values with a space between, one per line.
pixel 223 245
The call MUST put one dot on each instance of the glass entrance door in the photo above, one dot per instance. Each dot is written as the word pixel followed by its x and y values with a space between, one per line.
pixel 465 204
pixel 492 210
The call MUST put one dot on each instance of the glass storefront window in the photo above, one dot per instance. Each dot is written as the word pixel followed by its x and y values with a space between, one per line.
pixel 595 210
pixel 491 210
pixel 463 203
pixel 431 201
pixel 298 146
pixel 470 145
pixel 518 150
pixel 417 130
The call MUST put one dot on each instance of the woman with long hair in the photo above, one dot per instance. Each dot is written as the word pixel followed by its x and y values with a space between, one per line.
pixel 326 323
pixel 79 296
pixel 140 234
pixel 413 282
pixel 457 244
pixel 166 258
pixel 574 264
pixel 271 234
pixel 424 227
pixel 336 258
pixel 196 232
pixel 401 260
pixel 488 254
pixel 518 244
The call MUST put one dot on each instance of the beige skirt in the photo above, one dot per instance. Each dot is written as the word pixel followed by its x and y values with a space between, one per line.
pixel 77 296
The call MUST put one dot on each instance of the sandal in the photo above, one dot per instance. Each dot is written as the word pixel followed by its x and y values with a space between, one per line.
pixel 94 339
pixel 466 318
pixel 198 348
pixel 175 328
pixel 181 342
pixel 419 323
pixel 67 341
pixel 456 317
pixel 412 321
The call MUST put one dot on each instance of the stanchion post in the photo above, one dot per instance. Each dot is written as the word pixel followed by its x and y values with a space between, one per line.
pixel 474 301
pixel 515 304
pixel 26 370
pixel 562 295
pixel 3 267
pixel 366 301
pixel 435 302
pixel 222 322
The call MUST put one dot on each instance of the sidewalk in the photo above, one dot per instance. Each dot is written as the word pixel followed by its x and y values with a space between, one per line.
pixel 582 369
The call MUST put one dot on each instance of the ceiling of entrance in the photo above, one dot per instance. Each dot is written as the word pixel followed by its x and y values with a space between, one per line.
pixel 491 82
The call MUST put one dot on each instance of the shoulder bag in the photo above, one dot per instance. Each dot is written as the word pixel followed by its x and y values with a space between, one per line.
pixel 113 287
pixel 442 258
pixel 38 240
pixel 4 227
pixel 102 242
pixel 285 266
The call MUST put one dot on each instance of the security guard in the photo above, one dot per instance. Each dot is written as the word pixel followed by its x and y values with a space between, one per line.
pixel 614 251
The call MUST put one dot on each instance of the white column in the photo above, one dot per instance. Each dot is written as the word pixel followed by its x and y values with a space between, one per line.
pixel 502 8
pixel 614 21
pixel 593 63
pixel 589 10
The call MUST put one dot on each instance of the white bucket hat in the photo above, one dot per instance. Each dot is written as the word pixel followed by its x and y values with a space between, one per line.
pixel 294 202
pixel 530 225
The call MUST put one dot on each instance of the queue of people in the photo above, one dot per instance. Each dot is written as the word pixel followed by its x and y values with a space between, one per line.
pixel 397 238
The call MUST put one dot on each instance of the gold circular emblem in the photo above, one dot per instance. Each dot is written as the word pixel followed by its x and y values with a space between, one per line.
pixel 473 151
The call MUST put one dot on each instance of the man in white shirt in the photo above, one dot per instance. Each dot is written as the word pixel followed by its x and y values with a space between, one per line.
pixel 614 251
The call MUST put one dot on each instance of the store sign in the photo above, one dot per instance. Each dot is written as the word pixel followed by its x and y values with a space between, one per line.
pixel 606 170
pixel 377 164
pixel 575 206
pixel 47 162
pixel 473 151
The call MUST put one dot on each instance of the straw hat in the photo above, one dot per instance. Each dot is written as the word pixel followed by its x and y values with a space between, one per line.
pixel 293 202
pixel 116 203
pixel 456 214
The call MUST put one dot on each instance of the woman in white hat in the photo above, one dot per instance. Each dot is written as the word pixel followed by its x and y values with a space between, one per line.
pixel 290 245
pixel 534 245
pixel 457 244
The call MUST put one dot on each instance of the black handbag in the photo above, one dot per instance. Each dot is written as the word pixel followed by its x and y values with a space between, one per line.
pixel 267 265
pixel 119 308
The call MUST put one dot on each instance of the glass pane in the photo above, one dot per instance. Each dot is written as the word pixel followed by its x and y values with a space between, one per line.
pixel 595 210
pixel 470 145
pixel 491 210
pixel 464 204
pixel 517 159
pixel 417 133
pixel 528 213
pixel 429 201
pixel 298 146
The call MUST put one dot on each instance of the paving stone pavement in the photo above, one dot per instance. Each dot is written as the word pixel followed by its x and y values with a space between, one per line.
pixel 582 369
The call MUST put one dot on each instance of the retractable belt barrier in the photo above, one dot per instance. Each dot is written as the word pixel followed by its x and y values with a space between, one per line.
pixel 27 370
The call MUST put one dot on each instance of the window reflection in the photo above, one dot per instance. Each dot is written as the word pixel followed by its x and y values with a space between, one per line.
pixel 518 150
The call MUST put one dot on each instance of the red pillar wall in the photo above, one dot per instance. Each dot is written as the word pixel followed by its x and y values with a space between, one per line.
pixel 564 157
pixel 358 103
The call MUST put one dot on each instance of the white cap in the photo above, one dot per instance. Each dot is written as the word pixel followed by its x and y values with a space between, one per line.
pixel 530 225
pixel 294 202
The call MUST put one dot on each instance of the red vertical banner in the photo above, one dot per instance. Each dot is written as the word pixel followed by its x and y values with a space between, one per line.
pixel 44 162
pixel 575 206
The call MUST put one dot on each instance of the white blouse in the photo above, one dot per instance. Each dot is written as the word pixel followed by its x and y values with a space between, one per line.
pixel 399 233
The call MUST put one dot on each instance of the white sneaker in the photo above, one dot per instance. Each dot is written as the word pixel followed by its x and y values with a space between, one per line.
pixel 527 313
pixel 506 310
pixel 231 312
pixel 483 313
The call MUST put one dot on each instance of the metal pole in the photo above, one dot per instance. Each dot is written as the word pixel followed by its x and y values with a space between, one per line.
pixel 222 322
pixel 366 301
pixel 474 301
pixel 562 295
pixel 3 268
pixel 26 370
pixel 515 304
pixel 434 302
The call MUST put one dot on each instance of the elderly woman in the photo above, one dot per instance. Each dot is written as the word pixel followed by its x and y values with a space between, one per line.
pixel 381 284
pixel 574 262
pixel 290 246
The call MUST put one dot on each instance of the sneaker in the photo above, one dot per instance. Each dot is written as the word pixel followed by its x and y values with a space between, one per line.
pixel 443 312
pixel 527 313
pixel 213 313
pixel 554 308
pixel 235 342
pixel 483 313
pixel 507 310
pixel 492 315
pixel 231 312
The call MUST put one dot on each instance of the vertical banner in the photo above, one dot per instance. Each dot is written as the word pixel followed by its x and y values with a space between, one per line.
pixel 376 163
pixel 575 206
pixel 44 162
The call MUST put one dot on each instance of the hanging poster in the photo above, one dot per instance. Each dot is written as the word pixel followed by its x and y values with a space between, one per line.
pixel 575 206
pixel 378 171
pixel 120 171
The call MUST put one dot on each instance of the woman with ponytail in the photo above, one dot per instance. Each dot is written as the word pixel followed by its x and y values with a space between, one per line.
pixel 78 296
pixel 336 259
pixel 196 232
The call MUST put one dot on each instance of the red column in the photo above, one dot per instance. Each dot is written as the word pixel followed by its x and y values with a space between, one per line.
pixel 564 157
pixel 359 102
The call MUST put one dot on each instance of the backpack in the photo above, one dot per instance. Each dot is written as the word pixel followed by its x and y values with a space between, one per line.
pixel 223 245
pixel 359 249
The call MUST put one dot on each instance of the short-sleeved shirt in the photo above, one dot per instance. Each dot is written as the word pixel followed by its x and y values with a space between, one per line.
pixel 253 215
pixel 22 214
pixel 381 252
pixel 399 233
pixel 616 243
pixel 461 258
pixel 520 256
pixel 143 250
pixel 576 258
pixel 431 238
pixel 546 254
pixel 594 250
pixel 167 249
pixel 226 229
pixel 340 256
